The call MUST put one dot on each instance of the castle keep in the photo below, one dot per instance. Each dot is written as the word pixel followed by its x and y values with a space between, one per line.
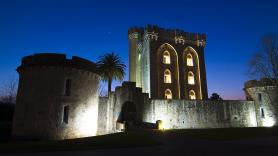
pixel 58 97
pixel 168 63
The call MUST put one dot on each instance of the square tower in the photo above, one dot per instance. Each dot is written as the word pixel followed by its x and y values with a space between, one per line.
pixel 168 63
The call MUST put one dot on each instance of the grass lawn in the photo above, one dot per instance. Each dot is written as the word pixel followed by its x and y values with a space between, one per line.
pixel 224 133
pixel 135 139
pixel 118 140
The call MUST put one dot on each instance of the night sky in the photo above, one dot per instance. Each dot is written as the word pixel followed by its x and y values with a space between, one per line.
pixel 91 28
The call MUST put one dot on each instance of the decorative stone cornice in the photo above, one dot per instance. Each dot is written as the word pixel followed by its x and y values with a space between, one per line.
pixel 179 39
pixel 261 83
pixel 134 35
pixel 201 43
pixel 53 60
pixel 152 35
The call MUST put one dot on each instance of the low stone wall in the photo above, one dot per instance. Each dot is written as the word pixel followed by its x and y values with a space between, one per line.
pixel 174 114
pixel 178 114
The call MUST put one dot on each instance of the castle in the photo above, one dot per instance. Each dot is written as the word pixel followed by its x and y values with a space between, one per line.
pixel 58 97
pixel 168 63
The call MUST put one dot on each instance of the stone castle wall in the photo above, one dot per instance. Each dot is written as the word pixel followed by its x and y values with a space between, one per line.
pixel 175 114
pixel 111 108
pixel 41 99
pixel 179 114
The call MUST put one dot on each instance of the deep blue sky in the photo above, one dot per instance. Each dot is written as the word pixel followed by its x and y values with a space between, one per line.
pixel 92 28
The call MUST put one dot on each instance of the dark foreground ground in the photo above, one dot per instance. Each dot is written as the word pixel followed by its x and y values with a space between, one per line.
pixel 234 142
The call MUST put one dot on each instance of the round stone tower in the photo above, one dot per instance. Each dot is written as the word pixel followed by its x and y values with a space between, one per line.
pixel 57 98
pixel 265 96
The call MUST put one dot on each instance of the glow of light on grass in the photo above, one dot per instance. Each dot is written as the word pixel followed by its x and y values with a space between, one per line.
pixel 268 122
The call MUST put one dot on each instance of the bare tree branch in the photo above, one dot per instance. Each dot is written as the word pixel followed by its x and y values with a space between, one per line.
pixel 264 63
pixel 9 91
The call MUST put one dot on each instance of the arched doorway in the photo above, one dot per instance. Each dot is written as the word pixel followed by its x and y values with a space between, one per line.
pixel 128 115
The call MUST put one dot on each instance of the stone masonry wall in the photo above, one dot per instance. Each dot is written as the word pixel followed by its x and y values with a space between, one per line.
pixel 178 114
pixel 175 114
pixel 110 108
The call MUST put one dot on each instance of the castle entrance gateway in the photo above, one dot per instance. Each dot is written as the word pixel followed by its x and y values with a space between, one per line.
pixel 128 115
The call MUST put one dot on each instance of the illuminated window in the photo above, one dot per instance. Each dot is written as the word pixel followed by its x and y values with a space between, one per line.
pixel 189 59
pixel 168 94
pixel 192 95
pixel 68 87
pixel 167 76
pixel 66 114
pixel 191 78
pixel 139 56
pixel 166 57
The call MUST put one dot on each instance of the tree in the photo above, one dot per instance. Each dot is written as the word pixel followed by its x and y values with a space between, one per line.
pixel 9 91
pixel 111 68
pixel 215 96
pixel 264 63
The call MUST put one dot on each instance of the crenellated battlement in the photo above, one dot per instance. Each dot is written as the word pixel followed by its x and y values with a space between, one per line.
pixel 259 83
pixel 129 84
pixel 54 59
pixel 135 29
pixel 175 32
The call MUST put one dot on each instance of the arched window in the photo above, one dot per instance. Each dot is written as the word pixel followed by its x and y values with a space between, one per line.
pixel 192 95
pixel 168 94
pixel 167 76
pixel 189 60
pixel 191 78
pixel 166 57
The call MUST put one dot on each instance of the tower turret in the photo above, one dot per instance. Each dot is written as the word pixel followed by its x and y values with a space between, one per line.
pixel 265 95
pixel 134 39
pixel 57 98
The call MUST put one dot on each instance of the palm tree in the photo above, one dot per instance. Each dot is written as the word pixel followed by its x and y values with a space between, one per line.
pixel 111 68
